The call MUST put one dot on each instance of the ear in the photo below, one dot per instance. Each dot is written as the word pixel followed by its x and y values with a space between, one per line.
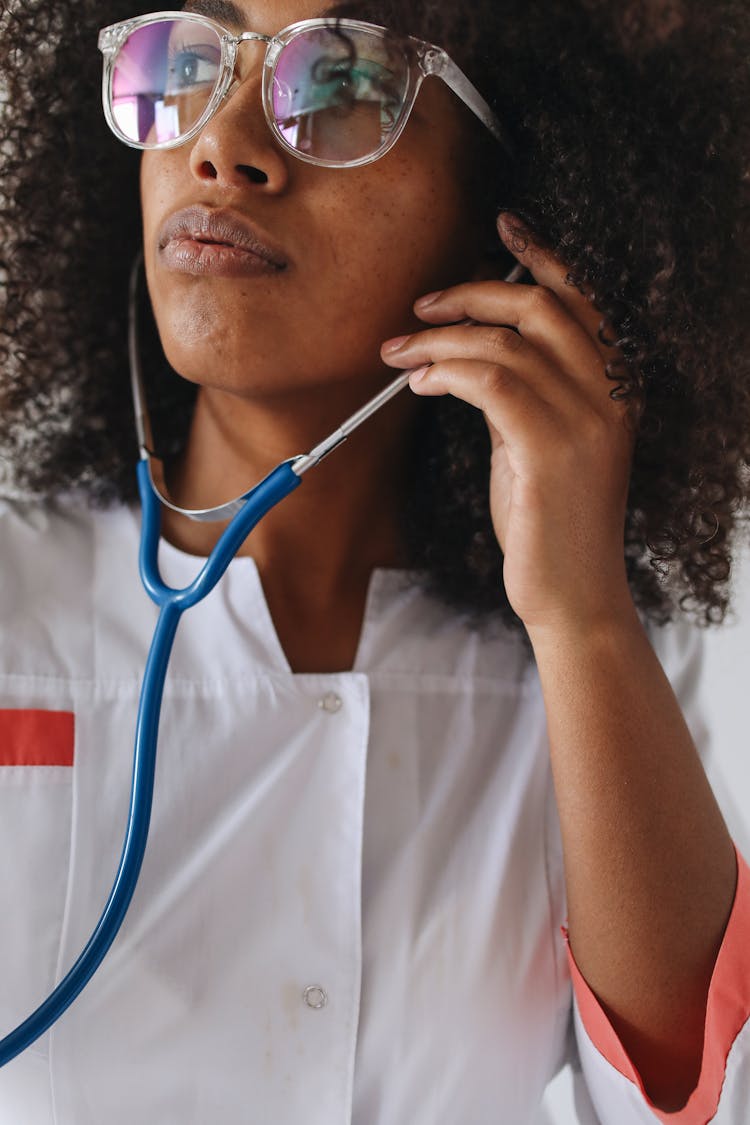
pixel 494 261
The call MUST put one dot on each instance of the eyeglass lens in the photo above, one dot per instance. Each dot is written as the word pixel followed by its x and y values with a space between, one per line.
pixel 337 94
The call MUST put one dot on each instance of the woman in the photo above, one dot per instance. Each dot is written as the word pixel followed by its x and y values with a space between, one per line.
pixel 422 723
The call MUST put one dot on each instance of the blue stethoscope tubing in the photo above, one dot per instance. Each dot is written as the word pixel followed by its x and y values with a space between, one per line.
pixel 172 604
pixel 246 511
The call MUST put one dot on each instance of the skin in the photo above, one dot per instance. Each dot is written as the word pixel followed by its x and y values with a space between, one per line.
pixel 282 360
pixel 650 868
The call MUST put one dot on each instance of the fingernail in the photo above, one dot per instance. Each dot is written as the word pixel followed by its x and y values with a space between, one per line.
pixel 394 344
pixel 429 299
pixel 418 375
pixel 510 221
pixel 514 232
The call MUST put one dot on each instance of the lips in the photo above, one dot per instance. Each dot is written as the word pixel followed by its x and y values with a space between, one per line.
pixel 205 240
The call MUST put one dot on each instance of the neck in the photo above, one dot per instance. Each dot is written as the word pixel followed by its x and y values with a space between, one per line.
pixel 316 550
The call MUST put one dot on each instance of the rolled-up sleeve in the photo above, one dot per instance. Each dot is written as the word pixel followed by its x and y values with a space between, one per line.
pixel 722 1095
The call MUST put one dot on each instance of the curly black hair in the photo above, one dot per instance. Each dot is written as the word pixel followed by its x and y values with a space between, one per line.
pixel 632 138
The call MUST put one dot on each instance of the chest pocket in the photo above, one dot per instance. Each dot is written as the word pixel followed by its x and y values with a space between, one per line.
pixel 36 796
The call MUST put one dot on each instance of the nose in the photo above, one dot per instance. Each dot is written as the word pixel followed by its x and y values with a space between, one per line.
pixel 236 147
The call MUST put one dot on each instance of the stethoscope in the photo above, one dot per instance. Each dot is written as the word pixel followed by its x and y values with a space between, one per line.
pixel 245 512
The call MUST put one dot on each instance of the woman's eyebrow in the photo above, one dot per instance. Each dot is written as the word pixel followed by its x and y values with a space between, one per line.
pixel 224 11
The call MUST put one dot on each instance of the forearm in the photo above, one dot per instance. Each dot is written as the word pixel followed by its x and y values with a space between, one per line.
pixel 649 865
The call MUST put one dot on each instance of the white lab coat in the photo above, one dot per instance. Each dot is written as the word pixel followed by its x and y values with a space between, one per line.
pixel 350 907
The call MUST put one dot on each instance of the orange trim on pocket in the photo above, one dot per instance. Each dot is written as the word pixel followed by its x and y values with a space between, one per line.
pixel 36 738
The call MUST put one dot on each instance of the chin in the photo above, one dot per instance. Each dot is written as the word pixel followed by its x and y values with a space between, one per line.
pixel 208 352
pixel 239 371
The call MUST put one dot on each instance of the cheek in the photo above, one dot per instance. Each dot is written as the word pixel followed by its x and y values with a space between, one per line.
pixel 392 242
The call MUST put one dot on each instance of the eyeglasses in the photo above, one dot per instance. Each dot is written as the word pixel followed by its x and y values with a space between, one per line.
pixel 336 92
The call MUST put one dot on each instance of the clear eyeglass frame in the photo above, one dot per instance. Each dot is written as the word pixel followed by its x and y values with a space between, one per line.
pixel 426 60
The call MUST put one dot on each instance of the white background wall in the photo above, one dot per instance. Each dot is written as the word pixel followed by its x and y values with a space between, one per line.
pixel 726 704
pixel 726 696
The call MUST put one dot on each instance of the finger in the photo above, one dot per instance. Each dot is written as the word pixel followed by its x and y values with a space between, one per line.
pixel 541 319
pixel 515 414
pixel 491 344
pixel 548 270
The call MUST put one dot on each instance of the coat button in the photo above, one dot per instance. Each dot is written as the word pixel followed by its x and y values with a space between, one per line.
pixel 315 996
pixel 330 702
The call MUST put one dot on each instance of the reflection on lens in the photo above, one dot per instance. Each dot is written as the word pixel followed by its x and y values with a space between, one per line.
pixel 164 76
pixel 338 95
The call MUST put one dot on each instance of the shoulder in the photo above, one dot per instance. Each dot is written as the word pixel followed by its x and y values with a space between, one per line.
pixel 50 570
pixel 66 528
pixel 39 544
pixel 24 523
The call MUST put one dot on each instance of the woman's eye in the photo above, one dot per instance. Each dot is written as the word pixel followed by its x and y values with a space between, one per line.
pixel 188 68
pixel 361 82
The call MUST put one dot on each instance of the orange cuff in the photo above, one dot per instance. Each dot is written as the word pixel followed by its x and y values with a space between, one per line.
pixel 727 1011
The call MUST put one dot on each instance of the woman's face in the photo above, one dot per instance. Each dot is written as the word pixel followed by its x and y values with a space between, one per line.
pixel 358 244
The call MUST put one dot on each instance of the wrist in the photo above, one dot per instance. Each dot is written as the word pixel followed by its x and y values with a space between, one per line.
pixel 583 629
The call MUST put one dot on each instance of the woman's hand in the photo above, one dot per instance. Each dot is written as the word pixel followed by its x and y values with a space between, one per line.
pixel 561 447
